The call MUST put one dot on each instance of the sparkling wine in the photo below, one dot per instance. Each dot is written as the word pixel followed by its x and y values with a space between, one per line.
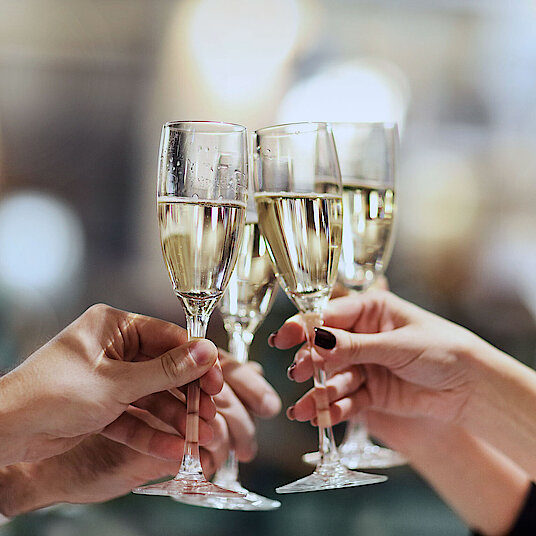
pixel 367 233
pixel 200 241
pixel 303 233
pixel 250 291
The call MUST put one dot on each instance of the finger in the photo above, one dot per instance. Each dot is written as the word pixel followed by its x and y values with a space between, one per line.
pixel 288 335
pixel 212 381
pixel 239 423
pixel 175 367
pixel 220 445
pixel 250 387
pixel 339 290
pixel 369 312
pixel 170 411
pixel 154 336
pixel 208 462
pixel 341 349
pixel 385 391
pixel 136 434
pixel 256 366
pixel 339 386
pixel 301 368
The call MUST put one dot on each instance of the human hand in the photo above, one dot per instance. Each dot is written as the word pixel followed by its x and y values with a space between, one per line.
pixel 95 470
pixel 83 381
pixel 246 394
pixel 98 469
pixel 388 354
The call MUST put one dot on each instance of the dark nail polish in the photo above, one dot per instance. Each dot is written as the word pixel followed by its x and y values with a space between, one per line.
pixel 290 371
pixel 290 413
pixel 325 339
pixel 271 339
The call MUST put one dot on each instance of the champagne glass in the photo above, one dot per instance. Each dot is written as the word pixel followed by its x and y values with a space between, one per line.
pixel 245 303
pixel 299 202
pixel 368 160
pixel 201 203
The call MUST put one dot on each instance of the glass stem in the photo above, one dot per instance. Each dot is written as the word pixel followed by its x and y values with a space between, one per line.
pixel 326 441
pixel 227 474
pixel 196 324
pixel 239 344
pixel 356 433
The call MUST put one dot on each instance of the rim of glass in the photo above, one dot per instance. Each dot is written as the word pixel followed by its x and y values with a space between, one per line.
pixel 220 127
pixel 386 124
pixel 286 129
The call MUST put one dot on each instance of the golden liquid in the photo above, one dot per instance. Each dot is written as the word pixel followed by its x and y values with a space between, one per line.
pixel 303 233
pixel 200 241
pixel 367 233
pixel 250 292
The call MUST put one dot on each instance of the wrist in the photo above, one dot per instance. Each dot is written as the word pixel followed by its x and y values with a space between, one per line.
pixel 13 420
pixel 25 487
pixel 503 404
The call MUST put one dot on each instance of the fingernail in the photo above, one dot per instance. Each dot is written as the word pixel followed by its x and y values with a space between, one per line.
pixel 290 371
pixel 325 339
pixel 201 351
pixel 271 339
pixel 290 413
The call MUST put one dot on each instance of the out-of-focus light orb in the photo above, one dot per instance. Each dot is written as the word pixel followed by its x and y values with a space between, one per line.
pixel 365 90
pixel 41 242
pixel 442 200
pixel 239 46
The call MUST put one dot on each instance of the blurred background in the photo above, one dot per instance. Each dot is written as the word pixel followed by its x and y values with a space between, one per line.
pixel 85 86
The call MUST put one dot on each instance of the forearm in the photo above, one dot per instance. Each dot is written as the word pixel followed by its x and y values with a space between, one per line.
pixel 484 487
pixel 502 408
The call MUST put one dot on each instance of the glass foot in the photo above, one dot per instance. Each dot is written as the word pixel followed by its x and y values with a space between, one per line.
pixel 370 457
pixel 248 502
pixel 331 476
pixel 188 488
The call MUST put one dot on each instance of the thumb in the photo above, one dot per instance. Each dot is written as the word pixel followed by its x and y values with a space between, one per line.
pixel 174 368
pixel 340 348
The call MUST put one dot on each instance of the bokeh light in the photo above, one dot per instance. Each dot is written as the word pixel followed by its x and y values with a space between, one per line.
pixel 360 90
pixel 240 46
pixel 41 242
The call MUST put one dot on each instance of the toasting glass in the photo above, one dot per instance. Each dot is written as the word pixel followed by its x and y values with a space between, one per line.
pixel 201 204
pixel 246 301
pixel 299 203
pixel 368 160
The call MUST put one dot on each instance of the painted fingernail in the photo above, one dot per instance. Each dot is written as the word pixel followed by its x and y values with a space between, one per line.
pixel 290 371
pixel 271 339
pixel 325 339
pixel 290 413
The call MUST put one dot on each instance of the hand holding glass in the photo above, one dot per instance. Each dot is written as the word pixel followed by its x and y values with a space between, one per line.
pixel 245 303
pixel 201 202
pixel 368 160
pixel 299 203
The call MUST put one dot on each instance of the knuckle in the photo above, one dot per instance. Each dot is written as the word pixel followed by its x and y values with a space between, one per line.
pixel 172 364
pixel 355 347
pixel 99 309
